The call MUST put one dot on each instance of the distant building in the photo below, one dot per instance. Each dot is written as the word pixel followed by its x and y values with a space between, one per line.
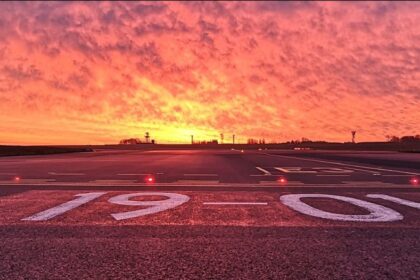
pixel 135 141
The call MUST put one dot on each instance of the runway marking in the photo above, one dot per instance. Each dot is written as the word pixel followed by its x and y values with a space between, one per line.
pixel 332 170
pixel 263 171
pixel 378 213
pixel 396 200
pixel 66 174
pixel 63 208
pixel 293 170
pixel 156 206
pixel 235 203
pixel 366 171
pixel 206 175
pixel 397 175
pixel 346 164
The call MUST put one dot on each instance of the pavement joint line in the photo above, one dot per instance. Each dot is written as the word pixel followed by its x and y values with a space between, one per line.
pixel 113 181
pixel 255 186
pixel 209 175
pixel 235 203
pixel 134 174
pixel 332 175
pixel 346 164
pixel 397 175
pixel 66 174
pixel 195 182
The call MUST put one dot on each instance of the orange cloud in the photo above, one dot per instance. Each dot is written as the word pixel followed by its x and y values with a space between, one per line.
pixel 74 72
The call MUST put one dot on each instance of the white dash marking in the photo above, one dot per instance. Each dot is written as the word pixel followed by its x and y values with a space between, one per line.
pixel 235 203
pixel 263 170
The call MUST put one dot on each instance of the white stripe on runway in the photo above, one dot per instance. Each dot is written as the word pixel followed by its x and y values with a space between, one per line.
pixel 345 164
pixel 66 174
pixel 235 203
pixel 263 171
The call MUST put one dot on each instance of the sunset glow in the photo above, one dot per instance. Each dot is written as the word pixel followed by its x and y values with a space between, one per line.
pixel 94 73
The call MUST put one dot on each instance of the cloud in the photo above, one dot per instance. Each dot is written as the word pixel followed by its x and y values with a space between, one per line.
pixel 278 70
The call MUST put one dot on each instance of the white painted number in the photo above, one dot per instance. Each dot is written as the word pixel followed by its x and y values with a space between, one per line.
pixel 377 213
pixel 83 198
pixel 155 206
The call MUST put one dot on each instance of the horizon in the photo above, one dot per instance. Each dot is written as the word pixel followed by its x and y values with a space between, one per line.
pixel 90 73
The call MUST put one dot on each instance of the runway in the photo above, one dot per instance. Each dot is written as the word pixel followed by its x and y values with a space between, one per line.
pixel 238 214
pixel 209 167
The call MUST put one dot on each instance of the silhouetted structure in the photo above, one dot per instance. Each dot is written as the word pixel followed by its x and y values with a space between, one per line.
pixel 353 136
pixel 130 141
pixel 233 139
pixel 135 141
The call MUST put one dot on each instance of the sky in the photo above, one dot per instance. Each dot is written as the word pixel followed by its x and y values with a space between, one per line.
pixel 94 73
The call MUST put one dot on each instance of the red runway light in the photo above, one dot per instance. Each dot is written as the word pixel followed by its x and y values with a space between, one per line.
pixel 150 179
pixel 282 181
pixel 414 181
pixel 17 179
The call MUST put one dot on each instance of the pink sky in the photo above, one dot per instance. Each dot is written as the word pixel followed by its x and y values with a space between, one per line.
pixel 93 73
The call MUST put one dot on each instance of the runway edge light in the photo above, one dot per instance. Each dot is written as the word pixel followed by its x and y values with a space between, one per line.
pixel 150 179
pixel 282 180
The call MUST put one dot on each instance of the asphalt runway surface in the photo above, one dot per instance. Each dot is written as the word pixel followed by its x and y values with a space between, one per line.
pixel 210 214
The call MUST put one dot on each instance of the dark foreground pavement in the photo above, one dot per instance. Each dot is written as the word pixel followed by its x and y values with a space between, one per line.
pixel 208 252
pixel 203 237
